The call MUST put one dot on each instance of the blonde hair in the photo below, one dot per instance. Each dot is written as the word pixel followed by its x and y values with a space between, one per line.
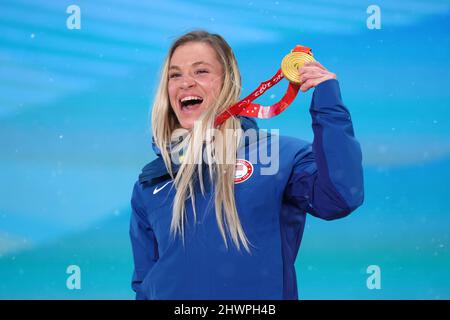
pixel 221 173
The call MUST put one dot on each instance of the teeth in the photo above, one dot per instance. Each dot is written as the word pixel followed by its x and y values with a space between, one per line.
pixel 191 98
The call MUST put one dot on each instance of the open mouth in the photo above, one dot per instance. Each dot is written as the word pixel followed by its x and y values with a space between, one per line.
pixel 190 102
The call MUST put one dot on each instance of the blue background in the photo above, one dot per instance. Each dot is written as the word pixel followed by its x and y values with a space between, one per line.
pixel 74 134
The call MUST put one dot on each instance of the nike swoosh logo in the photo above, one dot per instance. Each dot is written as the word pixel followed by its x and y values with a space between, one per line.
pixel 159 189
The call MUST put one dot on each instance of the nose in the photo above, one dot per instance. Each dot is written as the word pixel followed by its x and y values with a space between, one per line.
pixel 188 82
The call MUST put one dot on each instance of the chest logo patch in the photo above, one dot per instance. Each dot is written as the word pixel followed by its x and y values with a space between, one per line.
pixel 244 170
pixel 159 189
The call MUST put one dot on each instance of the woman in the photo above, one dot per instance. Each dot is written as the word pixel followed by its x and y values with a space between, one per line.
pixel 185 214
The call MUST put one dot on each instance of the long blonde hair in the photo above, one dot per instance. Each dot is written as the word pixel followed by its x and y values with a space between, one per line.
pixel 221 173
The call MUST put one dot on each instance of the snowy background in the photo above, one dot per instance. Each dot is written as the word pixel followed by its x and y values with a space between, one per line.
pixel 74 134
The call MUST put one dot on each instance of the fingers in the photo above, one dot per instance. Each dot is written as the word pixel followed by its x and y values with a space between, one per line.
pixel 311 73
pixel 313 82
pixel 309 68
pixel 314 65
pixel 308 84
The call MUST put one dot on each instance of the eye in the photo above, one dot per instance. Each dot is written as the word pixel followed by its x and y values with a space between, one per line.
pixel 200 71
pixel 174 75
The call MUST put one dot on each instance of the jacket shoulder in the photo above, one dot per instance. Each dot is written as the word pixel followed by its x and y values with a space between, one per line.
pixel 294 145
pixel 152 170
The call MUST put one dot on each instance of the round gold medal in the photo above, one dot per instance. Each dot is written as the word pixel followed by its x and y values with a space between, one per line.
pixel 292 62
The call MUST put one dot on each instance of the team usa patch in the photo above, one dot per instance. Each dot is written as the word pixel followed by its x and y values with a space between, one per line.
pixel 244 170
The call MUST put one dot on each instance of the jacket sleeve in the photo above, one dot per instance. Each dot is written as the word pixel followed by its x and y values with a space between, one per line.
pixel 143 243
pixel 327 178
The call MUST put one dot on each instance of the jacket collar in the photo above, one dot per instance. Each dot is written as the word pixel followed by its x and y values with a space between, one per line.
pixel 156 170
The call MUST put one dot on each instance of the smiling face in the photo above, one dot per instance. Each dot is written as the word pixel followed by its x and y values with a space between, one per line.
pixel 195 81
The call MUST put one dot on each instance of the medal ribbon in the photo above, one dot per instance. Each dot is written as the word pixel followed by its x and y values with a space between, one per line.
pixel 289 69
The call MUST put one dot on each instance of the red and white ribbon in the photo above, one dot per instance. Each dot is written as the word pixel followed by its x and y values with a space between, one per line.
pixel 245 107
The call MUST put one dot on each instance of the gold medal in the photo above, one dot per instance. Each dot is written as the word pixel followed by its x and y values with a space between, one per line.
pixel 292 62
pixel 289 70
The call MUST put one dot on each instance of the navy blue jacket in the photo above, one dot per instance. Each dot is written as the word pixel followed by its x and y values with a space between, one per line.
pixel 324 178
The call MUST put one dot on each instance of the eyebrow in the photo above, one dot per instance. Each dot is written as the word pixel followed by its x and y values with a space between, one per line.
pixel 194 64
